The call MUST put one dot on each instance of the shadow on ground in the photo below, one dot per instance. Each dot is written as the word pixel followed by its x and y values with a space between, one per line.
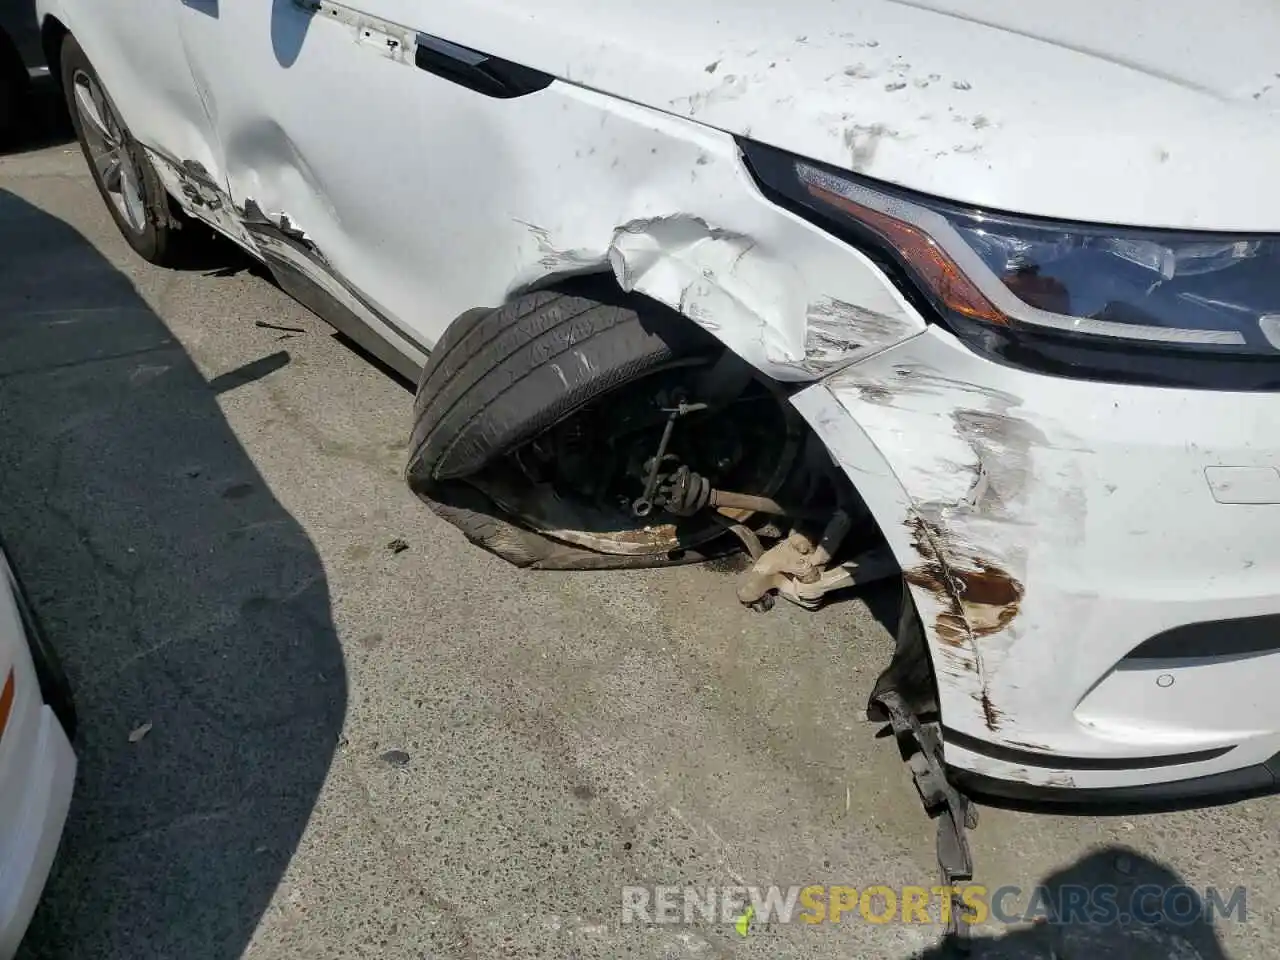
pixel 1113 904
pixel 43 122
pixel 181 595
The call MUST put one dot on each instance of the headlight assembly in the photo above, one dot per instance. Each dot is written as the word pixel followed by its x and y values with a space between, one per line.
pixel 1043 293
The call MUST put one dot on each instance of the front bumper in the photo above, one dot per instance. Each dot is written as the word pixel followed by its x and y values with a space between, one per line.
pixel 1097 566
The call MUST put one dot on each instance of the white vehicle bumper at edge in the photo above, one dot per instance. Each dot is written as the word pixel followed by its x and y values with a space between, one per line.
pixel 1085 519
pixel 37 773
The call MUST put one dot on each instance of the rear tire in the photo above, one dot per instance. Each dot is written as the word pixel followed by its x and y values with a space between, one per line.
pixel 499 378
pixel 146 223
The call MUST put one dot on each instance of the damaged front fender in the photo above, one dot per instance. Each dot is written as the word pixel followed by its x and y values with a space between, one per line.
pixel 761 306
pixel 959 482
pixel 689 228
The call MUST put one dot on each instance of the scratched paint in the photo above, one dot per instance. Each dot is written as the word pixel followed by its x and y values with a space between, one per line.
pixel 1042 541
pixel 976 599
pixel 981 598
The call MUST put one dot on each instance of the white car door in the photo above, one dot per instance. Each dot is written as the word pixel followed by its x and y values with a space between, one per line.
pixel 335 157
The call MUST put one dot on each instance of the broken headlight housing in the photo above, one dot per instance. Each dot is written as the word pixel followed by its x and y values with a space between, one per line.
pixel 1136 305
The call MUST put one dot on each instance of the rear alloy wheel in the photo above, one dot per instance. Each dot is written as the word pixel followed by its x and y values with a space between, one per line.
pixel 124 176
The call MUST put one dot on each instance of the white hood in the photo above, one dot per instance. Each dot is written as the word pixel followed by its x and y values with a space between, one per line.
pixel 1159 114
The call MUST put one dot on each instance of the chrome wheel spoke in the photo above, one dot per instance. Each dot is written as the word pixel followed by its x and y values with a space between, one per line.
pixel 92 120
pixel 109 155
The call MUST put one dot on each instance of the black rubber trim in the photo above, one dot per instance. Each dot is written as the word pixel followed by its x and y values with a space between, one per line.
pixel 1018 345
pixel 1262 779
pixel 313 296
pixel 1246 636
pixel 477 71
pixel 1031 758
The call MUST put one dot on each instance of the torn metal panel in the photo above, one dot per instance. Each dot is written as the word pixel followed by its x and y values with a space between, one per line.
pixel 200 196
pixel 302 270
pixel 733 284
pixel 296 262
pixel 792 301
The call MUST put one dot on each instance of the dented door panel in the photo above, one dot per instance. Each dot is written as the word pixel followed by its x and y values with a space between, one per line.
pixel 456 199
pixel 1046 528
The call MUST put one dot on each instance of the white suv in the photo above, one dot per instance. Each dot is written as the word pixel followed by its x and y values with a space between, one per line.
pixel 993 285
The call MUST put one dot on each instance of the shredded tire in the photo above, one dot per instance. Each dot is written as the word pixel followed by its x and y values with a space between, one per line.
pixel 499 378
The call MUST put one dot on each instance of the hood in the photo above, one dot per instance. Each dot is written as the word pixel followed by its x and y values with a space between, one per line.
pixel 1141 114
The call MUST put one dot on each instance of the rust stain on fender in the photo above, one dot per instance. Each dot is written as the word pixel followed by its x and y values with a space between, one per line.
pixel 980 598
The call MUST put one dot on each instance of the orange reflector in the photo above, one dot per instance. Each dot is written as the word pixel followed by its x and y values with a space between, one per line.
pixel 929 260
pixel 6 701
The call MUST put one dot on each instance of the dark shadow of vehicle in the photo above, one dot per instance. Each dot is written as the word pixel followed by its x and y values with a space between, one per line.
pixel 44 121
pixel 1114 904
pixel 884 602
pixel 191 611
pixel 383 368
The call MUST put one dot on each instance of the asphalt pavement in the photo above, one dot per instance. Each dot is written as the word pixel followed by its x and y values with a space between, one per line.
pixel 316 722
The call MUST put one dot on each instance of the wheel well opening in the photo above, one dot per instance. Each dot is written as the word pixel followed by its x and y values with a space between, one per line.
pixel 52 33
pixel 816 479
pixel 814 488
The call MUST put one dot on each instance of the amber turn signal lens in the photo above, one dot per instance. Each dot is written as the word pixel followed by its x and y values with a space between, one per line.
pixel 935 269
